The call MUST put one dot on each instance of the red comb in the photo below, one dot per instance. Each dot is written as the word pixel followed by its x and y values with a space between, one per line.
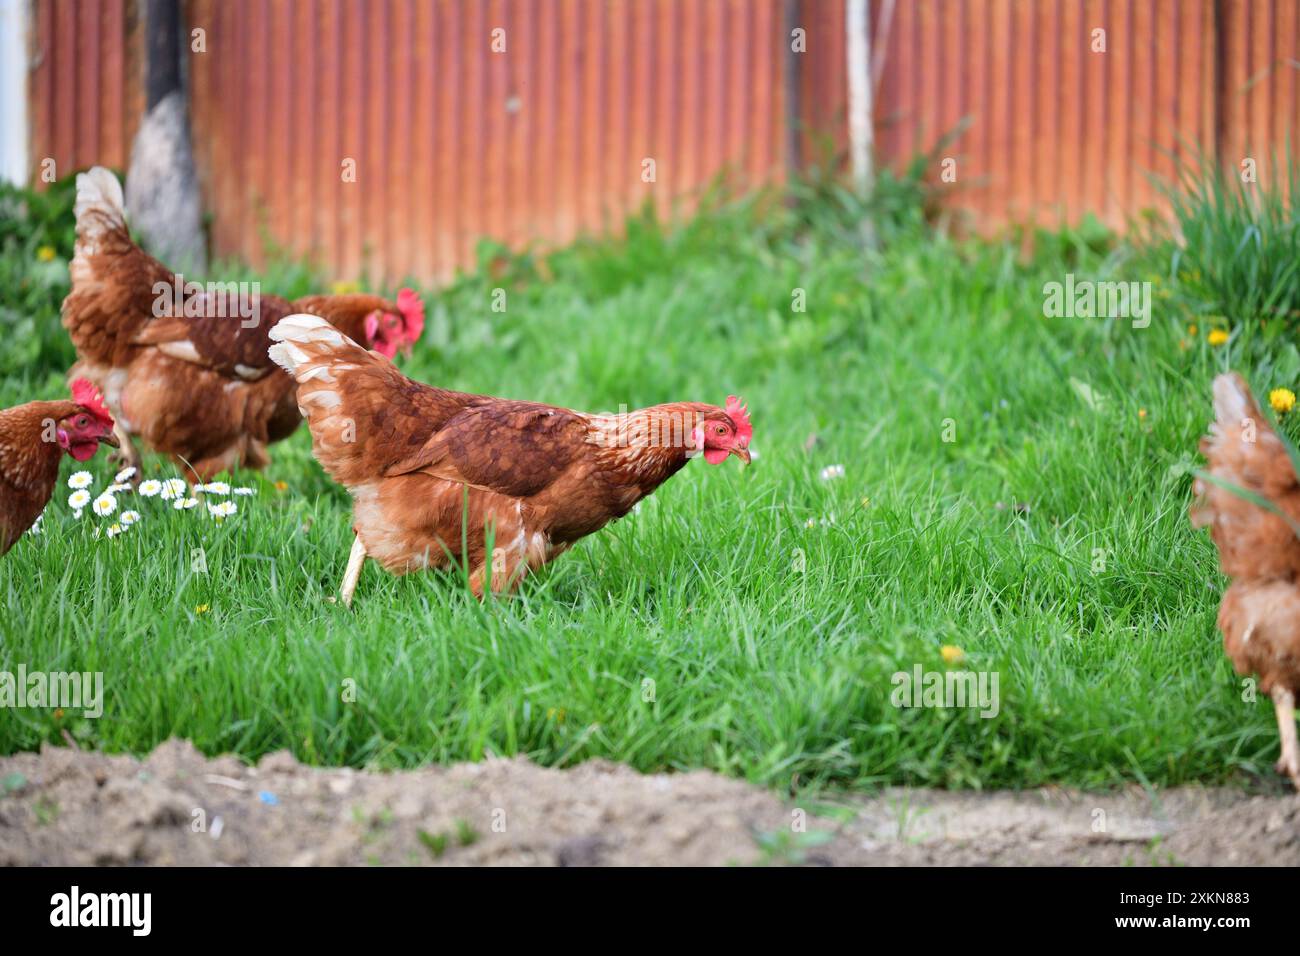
pixel 739 415
pixel 88 397
pixel 412 309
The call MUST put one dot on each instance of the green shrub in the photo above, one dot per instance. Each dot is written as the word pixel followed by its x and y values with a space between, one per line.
pixel 1236 250
pixel 37 231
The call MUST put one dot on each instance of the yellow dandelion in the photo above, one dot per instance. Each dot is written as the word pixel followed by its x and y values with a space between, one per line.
pixel 45 253
pixel 201 608
pixel 952 654
pixel 1142 413
pixel 281 486
pixel 1191 329
pixel 1217 337
pixel 1282 400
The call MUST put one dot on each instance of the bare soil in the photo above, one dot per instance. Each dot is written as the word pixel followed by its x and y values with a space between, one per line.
pixel 63 806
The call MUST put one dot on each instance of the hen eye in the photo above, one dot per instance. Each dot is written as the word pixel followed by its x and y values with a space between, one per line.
pixel 81 421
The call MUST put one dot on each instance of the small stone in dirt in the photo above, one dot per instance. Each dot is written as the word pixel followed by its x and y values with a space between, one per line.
pixel 580 851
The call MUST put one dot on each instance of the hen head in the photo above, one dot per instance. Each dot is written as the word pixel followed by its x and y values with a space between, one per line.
pixel 723 432
pixel 390 331
pixel 80 433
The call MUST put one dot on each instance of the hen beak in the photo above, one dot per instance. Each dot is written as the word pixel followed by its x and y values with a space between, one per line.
pixel 741 453
pixel 110 439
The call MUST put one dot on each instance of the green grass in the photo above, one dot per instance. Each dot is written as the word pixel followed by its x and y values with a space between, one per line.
pixel 1107 674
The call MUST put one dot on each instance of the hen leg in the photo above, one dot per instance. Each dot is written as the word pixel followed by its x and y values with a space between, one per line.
pixel 1284 704
pixel 507 571
pixel 353 574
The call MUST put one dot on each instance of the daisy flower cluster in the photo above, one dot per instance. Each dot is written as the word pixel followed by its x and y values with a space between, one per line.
pixel 175 491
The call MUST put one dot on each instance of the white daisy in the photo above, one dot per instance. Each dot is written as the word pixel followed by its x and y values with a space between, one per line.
pixel 77 513
pixel 185 504
pixel 831 472
pixel 114 531
pixel 245 491
pixel 150 488
pixel 36 525
pixel 126 474
pixel 173 488
pixel 130 517
pixel 119 486
pixel 223 510
pixel 79 499
pixel 82 479
pixel 215 488
pixel 105 505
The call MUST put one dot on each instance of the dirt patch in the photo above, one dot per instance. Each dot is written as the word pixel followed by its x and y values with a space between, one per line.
pixel 63 806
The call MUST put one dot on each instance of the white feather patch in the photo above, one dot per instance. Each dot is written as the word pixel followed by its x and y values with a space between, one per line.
pixel 183 350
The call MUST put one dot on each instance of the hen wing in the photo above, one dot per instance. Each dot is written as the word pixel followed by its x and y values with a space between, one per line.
pixel 216 337
pixel 511 448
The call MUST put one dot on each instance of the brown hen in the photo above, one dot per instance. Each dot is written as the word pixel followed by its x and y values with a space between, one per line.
pixel 178 365
pixel 434 473
pixel 33 437
pixel 1258 548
